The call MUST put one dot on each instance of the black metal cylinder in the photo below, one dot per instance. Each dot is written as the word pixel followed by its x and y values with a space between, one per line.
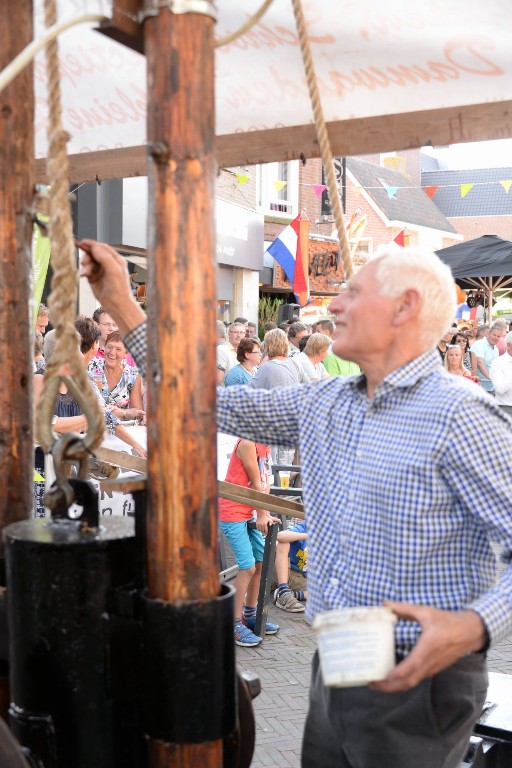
pixel 61 582
pixel 189 672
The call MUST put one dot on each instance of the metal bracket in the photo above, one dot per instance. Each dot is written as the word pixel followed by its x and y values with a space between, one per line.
pixel 153 8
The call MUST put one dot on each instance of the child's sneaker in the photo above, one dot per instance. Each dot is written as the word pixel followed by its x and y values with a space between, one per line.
pixel 244 636
pixel 270 628
pixel 287 602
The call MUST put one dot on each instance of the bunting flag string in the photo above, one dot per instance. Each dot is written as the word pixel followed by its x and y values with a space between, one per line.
pixel 319 189
pixel 430 191
pixel 279 185
pixel 402 238
pixel 464 189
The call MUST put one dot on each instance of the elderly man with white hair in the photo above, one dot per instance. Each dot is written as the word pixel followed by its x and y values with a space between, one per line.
pixel 406 479
pixel 500 374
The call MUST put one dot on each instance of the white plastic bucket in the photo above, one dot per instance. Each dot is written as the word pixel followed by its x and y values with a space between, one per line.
pixel 355 645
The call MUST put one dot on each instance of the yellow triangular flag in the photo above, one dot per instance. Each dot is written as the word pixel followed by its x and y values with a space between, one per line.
pixel 242 178
pixel 279 185
pixel 465 188
pixel 506 185
pixel 358 191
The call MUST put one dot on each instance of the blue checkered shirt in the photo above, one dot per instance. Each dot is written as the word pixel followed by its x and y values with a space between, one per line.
pixel 403 492
pixel 136 343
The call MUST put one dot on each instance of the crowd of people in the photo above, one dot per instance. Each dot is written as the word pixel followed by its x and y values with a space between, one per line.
pixel 114 377
pixel 482 355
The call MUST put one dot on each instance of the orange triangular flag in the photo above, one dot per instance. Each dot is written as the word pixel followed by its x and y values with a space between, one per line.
pixel 465 188
pixel 242 178
pixel 400 239
pixel 279 185
pixel 506 185
pixel 430 191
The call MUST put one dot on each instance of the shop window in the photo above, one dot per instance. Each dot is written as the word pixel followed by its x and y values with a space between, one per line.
pixel 223 310
pixel 363 251
pixel 278 189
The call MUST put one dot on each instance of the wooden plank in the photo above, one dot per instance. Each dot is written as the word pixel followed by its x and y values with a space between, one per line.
pixel 242 495
pixel 124 485
pixel 121 459
pixel 385 133
pixel 124 26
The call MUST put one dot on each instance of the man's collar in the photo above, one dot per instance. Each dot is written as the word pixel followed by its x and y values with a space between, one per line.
pixel 405 376
pixel 410 373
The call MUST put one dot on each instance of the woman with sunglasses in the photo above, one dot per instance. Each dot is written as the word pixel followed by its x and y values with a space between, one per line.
pixel 248 354
pixel 461 340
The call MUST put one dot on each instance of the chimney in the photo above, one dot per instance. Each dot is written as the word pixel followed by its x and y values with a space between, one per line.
pixel 396 163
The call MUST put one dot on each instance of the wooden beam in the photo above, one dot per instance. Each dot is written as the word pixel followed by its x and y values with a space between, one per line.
pixel 361 136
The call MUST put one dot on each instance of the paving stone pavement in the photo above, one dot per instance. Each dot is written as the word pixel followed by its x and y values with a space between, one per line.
pixel 282 663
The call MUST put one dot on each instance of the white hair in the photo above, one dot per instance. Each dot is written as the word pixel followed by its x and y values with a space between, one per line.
pixel 508 338
pixel 400 269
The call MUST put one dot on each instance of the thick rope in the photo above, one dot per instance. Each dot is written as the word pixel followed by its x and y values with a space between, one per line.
pixel 24 58
pixel 62 300
pixel 245 27
pixel 322 135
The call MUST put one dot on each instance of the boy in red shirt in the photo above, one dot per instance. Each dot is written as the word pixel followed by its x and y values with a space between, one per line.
pixel 249 467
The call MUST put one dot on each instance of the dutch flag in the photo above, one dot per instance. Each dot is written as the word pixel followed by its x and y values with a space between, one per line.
pixel 290 250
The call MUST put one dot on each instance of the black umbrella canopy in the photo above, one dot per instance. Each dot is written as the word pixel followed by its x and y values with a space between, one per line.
pixel 487 256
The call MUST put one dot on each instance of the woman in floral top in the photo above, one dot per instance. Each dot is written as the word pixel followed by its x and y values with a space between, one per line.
pixel 119 383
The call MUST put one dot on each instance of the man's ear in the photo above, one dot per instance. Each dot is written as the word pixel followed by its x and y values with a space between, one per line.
pixel 407 306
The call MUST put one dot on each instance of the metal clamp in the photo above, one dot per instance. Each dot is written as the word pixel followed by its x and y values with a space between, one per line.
pixel 69 448
pixel 153 8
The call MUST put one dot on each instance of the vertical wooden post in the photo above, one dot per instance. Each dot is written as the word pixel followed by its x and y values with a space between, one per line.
pixel 182 508
pixel 17 170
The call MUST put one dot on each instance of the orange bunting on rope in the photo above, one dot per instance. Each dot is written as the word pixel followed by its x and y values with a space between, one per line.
pixel 402 239
pixel 430 191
